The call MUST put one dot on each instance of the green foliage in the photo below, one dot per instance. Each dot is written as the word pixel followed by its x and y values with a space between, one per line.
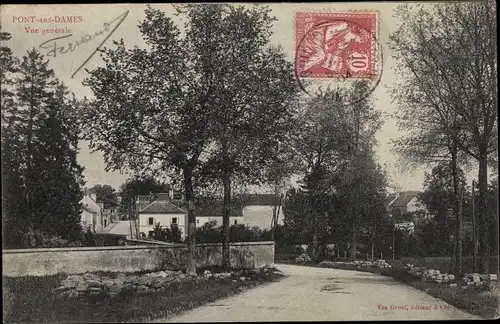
pixel 89 238
pixel 439 102
pixel 172 234
pixel 175 233
pixel 40 239
pixel 105 194
pixel 139 186
pixel 42 178
pixel 343 189
pixel 211 233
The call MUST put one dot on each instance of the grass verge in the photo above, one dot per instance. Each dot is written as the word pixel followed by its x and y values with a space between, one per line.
pixel 29 300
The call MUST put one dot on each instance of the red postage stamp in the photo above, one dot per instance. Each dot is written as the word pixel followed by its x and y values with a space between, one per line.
pixel 335 44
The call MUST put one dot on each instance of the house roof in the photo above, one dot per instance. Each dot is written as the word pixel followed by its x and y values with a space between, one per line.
pixel 217 211
pixel 390 198
pixel 404 198
pixel 260 199
pixel 90 204
pixel 162 207
pixel 161 196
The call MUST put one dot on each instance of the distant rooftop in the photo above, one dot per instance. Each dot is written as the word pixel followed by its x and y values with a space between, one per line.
pixel 260 199
pixel 404 198
pixel 162 207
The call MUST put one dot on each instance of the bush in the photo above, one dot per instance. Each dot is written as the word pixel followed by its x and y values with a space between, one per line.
pixel 40 239
pixel 172 234
pixel 303 258
pixel 211 233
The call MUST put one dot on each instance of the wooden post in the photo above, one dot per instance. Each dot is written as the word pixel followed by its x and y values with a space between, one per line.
pixel 474 239
pixel 497 228
pixel 393 243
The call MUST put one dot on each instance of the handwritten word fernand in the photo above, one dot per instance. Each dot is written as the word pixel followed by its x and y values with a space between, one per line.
pixel 55 46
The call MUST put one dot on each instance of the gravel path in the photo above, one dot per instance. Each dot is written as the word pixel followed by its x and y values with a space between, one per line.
pixel 325 295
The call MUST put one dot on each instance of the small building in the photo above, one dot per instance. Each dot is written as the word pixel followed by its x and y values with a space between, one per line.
pixel 163 212
pixel 408 227
pixel 91 213
pixel 259 210
pixel 406 201
pixel 209 214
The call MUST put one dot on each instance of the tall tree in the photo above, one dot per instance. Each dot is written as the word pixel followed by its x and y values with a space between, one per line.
pixel 439 197
pixel 35 86
pixel 335 146
pixel 105 194
pixel 160 110
pixel 59 176
pixel 151 109
pixel 139 186
pixel 12 146
pixel 39 146
pixel 252 86
pixel 450 70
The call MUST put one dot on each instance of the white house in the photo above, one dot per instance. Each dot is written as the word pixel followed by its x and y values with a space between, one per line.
pixel 163 212
pixel 205 215
pixel 259 210
pixel 91 213
pixel 406 201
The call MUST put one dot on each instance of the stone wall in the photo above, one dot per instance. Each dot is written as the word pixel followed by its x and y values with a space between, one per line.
pixel 39 262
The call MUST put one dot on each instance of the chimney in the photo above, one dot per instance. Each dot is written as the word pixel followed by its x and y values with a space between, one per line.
pixel 170 192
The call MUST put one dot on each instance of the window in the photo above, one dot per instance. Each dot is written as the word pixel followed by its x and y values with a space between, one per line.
pixel 174 220
pixel 151 221
pixel 197 221
pixel 235 222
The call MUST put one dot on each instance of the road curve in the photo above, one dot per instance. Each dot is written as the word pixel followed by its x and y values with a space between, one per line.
pixel 319 294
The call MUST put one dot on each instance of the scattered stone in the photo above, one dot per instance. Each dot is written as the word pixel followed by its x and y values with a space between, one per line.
pixel 242 278
pixel 193 274
pixel 453 285
pixel 492 277
pixel 94 283
pixel 62 289
pixel 90 276
pixel 303 258
pixel 182 276
pixel 234 281
pixel 81 288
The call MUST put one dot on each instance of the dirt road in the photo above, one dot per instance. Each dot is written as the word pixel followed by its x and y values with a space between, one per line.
pixel 327 295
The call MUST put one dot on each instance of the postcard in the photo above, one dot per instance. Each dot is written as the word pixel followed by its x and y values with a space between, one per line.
pixel 249 162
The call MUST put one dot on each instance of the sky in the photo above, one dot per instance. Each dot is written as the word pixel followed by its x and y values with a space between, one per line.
pixel 33 25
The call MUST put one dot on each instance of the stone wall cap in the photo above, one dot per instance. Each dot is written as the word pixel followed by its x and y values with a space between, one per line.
pixel 132 247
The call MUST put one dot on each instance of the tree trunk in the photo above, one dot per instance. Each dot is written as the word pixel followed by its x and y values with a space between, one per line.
pixel 474 230
pixel 457 197
pixel 373 251
pixel 275 209
pixel 226 182
pixel 484 253
pixel 497 230
pixel 191 221
pixel 353 245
